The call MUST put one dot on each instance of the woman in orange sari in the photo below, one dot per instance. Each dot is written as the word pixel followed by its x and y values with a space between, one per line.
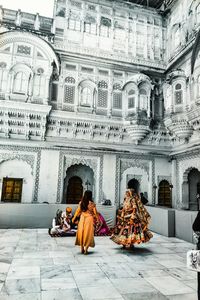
pixel 87 213
pixel 133 221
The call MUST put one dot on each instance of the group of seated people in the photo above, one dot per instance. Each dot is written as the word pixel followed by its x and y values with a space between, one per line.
pixel 62 224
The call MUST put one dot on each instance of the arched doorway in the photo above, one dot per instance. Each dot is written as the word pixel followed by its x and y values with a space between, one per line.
pixel 78 179
pixel 164 194
pixel 74 190
pixel 194 188
pixel 133 184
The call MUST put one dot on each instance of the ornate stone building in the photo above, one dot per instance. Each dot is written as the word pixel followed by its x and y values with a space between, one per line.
pixel 103 93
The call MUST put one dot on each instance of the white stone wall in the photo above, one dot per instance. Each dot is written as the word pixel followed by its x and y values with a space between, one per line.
pixel 109 177
pixel 48 184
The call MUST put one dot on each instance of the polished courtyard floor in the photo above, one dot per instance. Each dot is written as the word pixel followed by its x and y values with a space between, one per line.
pixel 34 266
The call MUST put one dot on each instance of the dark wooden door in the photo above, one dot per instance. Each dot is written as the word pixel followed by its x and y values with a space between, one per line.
pixel 74 190
pixel 12 189
pixel 164 194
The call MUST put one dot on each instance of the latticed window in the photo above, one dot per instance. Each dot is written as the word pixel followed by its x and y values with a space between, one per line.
pixel 69 90
pixel 131 99
pixel 178 94
pixel 117 96
pixel 20 84
pixel 102 94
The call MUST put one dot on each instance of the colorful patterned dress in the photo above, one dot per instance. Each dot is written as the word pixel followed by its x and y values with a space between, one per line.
pixel 132 222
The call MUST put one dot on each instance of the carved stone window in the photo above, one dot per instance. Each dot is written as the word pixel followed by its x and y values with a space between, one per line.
pixel 105 27
pixel 178 94
pixel 20 83
pixel 131 99
pixel 90 28
pixel 86 96
pixel 75 24
pixel 69 90
pixel 102 94
pixel 117 96
pixel 143 99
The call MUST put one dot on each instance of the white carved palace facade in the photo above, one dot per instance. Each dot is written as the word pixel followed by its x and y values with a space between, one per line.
pixel 103 93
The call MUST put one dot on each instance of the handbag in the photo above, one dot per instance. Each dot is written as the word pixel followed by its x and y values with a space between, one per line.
pixel 193 260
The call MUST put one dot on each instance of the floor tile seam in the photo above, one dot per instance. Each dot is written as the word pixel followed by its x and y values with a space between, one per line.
pixel 76 284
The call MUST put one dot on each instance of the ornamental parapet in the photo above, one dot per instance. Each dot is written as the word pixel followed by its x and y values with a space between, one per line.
pixel 23 120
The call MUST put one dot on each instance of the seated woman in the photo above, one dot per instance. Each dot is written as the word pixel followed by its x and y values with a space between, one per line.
pixel 100 226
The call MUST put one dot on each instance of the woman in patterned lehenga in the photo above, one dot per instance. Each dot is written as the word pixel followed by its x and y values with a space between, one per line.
pixel 132 222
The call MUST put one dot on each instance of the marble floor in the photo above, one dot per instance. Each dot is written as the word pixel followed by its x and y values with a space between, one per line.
pixel 34 266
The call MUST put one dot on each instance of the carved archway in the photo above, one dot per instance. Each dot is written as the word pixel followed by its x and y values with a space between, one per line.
pixel 78 178
pixel 190 188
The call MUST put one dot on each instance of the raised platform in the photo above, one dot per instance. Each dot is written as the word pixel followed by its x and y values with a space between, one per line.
pixel 165 221
pixel 21 215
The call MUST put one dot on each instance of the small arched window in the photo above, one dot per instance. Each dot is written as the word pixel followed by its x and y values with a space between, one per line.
pixel 131 99
pixel 69 90
pixel 86 96
pixel 102 94
pixel 20 83
pixel 178 94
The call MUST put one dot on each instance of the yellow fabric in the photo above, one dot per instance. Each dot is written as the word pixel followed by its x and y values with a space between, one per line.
pixel 85 232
